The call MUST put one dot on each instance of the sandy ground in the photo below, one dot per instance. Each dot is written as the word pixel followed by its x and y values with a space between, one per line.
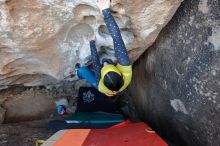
pixel 23 134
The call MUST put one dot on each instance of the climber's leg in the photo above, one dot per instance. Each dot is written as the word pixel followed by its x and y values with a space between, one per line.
pixel 88 75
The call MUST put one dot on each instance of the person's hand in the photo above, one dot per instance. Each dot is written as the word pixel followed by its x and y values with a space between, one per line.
pixel 109 95
pixel 103 4
pixel 91 37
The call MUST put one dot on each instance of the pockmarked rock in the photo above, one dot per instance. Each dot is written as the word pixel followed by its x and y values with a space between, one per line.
pixel 41 41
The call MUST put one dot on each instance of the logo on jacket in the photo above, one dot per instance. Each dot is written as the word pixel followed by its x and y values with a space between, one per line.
pixel 88 97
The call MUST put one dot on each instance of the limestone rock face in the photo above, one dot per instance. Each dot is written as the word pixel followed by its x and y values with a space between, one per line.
pixel 41 40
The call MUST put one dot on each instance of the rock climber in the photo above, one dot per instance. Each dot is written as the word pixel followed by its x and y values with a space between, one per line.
pixel 108 78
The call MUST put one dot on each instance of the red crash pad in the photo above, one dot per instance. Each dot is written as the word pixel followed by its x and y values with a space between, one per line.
pixel 134 134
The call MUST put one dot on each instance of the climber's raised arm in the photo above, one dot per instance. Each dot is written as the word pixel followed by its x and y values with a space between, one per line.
pixel 114 79
pixel 95 57
pixel 119 46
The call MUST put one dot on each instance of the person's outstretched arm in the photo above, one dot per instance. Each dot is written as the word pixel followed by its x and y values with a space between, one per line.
pixel 121 53
pixel 95 60
pixel 120 49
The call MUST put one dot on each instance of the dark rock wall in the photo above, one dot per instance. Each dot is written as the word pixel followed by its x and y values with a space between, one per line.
pixel 176 83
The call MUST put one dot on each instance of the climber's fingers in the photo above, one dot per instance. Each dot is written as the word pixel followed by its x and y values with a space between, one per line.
pixel 104 0
pixel 91 36
pixel 103 4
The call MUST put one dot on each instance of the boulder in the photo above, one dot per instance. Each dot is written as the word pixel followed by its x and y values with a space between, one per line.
pixel 30 104
pixel 176 83
pixel 41 41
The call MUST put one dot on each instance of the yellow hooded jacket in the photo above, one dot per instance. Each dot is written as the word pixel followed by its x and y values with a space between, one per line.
pixel 125 71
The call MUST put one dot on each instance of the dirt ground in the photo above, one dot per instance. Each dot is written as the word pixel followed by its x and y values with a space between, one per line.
pixel 24 134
